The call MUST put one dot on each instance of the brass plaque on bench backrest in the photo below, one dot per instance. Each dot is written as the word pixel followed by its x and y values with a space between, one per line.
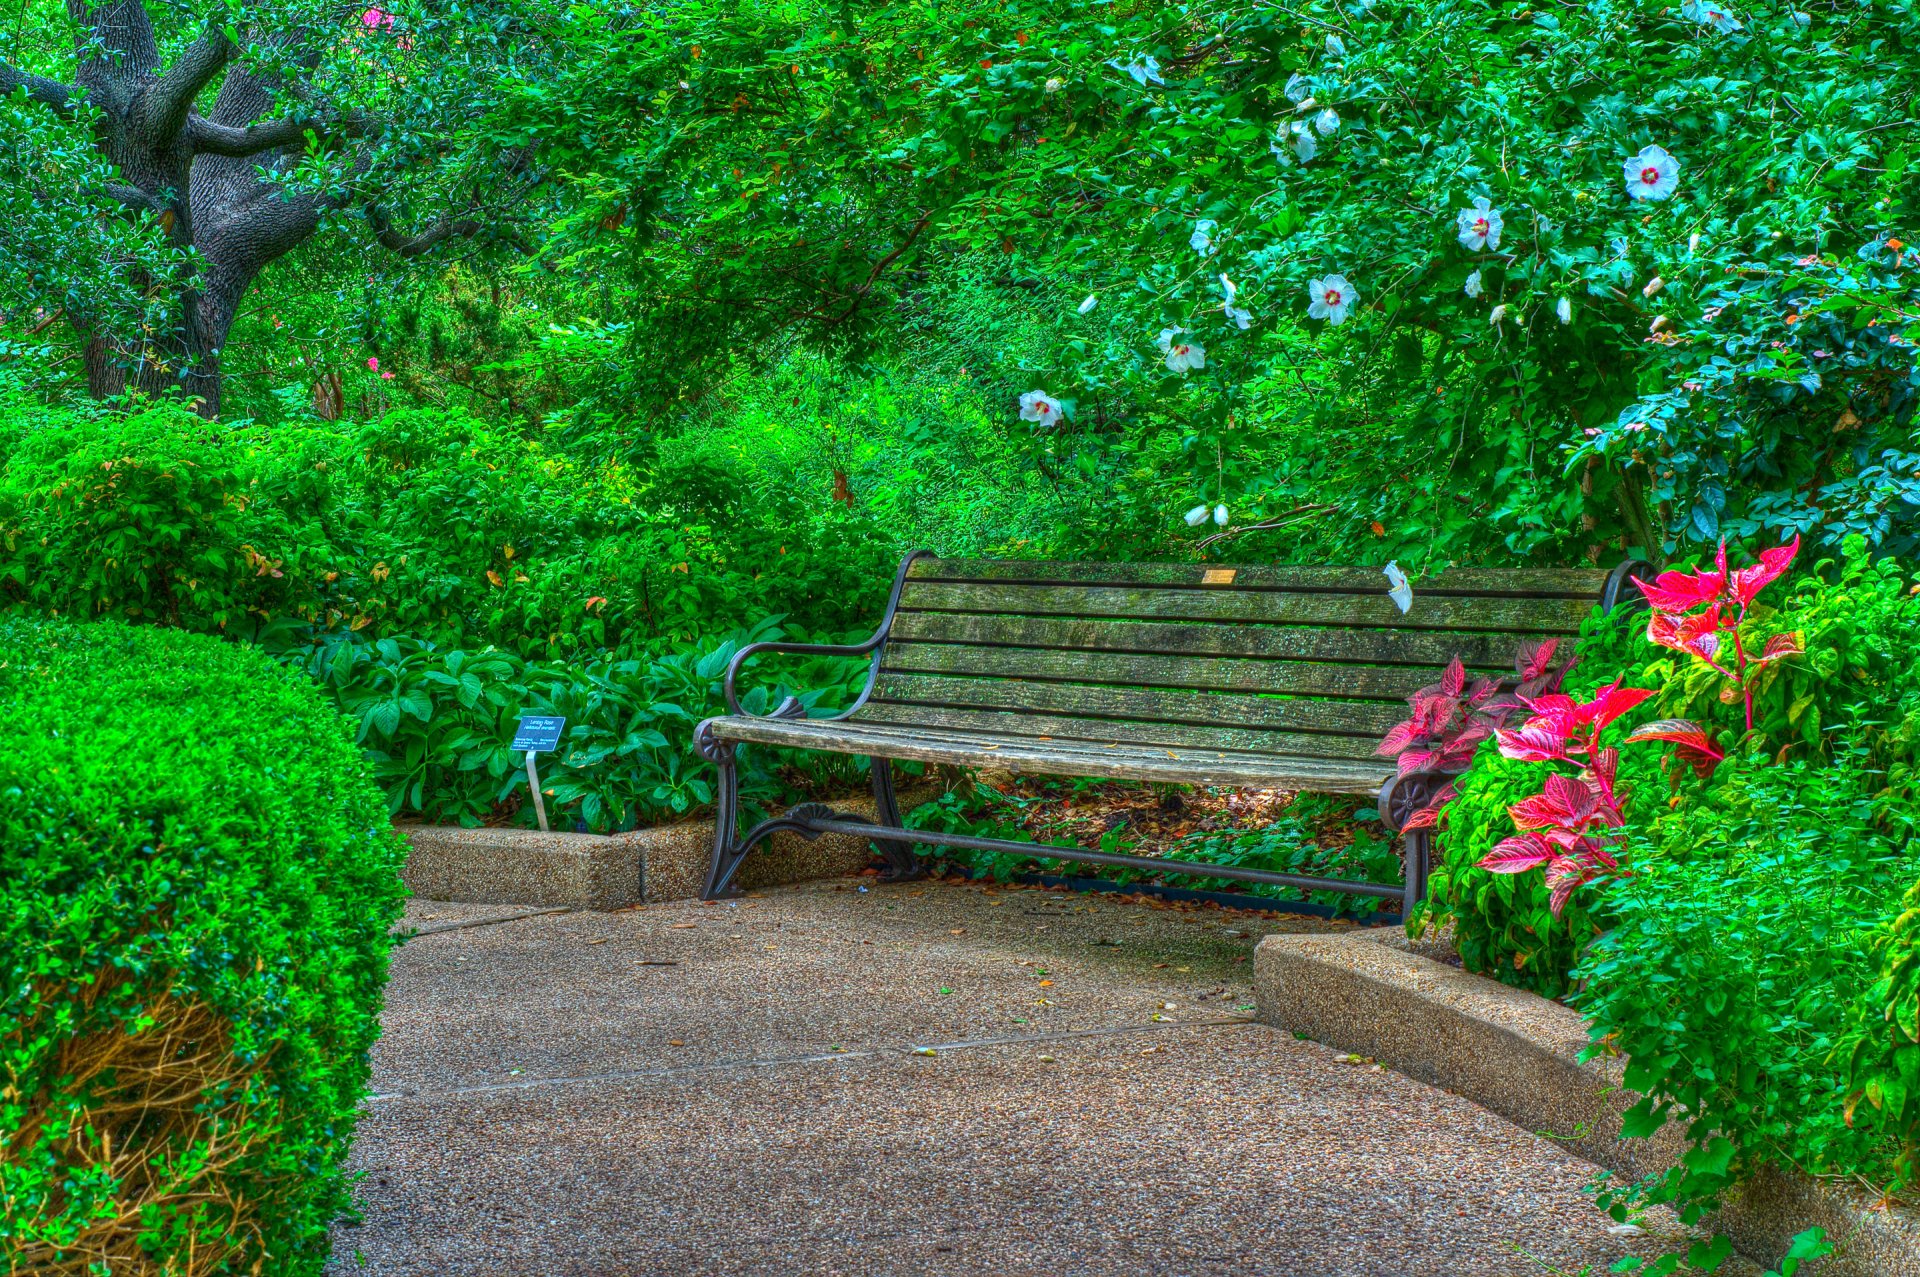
pixel 1218 576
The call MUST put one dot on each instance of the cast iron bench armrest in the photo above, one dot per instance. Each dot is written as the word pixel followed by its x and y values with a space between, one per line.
pixel 790 708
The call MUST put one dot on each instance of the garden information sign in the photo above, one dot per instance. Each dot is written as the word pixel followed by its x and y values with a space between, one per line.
pixel 538 733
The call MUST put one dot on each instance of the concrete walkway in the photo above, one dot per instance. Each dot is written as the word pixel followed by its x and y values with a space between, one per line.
pixel 694 1089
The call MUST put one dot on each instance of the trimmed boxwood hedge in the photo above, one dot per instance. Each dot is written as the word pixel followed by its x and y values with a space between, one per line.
pixel 197 882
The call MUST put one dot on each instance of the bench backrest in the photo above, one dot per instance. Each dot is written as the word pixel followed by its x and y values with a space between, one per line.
pixel 1313 661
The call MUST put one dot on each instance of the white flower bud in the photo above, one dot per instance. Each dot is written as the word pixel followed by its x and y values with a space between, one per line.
pixel 1055 84
pixel 1564 309
pixel 1220 515
pixel 1654 285
pixel 1197 516
pixel 1089 303
pixel 1498 314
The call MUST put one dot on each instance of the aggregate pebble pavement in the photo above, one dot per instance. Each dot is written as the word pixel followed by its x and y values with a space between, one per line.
pixel 851 1078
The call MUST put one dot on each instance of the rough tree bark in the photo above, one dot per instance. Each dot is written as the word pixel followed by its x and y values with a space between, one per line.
pixel 201 174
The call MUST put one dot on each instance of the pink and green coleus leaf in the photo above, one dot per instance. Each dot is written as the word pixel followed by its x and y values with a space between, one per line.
pixel 1780 646
pixel 1518 854
pixel 1689 740
pixel 1749 581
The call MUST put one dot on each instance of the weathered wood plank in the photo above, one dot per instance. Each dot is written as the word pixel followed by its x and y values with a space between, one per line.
pixel 1429 650
pixel 1196 767
pixel 1429 612
pixel 1479 582
pixel 1140 732
pixel 1392 683
pixel 1368 720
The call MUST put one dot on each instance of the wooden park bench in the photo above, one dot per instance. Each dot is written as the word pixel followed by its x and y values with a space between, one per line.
pixel 1275 677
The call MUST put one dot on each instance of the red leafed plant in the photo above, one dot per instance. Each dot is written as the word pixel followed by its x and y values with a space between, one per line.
pixel 1700 613
pixel 1567 827
pixel 1450 718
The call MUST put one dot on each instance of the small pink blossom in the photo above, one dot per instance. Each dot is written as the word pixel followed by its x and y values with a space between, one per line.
pixel 376 18
pixel 373 363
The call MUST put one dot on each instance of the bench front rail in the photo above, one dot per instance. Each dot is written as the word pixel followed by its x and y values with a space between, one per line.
pixel 1263 676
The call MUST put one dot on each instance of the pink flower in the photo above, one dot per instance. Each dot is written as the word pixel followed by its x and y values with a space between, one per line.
pixel 376 18
pixel 386 376
pixel 373 363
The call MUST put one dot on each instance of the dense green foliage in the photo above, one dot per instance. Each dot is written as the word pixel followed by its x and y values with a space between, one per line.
pixel 196 884
pixel 424 523
pixel 1849 690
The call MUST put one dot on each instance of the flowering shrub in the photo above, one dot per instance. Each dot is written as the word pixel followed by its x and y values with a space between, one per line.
pixel 1464 265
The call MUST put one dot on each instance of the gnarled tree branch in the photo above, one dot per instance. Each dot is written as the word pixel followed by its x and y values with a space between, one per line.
pixel 49 93
pixel 209 138
pixel 164 108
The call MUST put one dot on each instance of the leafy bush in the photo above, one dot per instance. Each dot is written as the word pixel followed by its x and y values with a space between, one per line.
pixel 1855 668
pixel 196 884
pixel 425 524
pixel 1735 955
pixel 436 723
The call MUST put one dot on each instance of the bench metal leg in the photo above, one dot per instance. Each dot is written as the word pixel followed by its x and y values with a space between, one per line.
pixel 727 851
pixel 903 865
pixel 1418 845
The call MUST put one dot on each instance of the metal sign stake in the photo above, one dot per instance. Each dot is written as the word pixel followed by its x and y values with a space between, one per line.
pixel 535 733
pixel 533 783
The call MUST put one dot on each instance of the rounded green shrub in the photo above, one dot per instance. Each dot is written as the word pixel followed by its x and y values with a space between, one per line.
pixel 197 883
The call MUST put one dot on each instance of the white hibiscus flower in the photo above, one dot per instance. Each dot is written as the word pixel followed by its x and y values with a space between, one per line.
pixel 1327 123
pixel 1196 516
pixel 1143 70
pixel 1298 90
pixel 1089 303
pixel 1474 287
pixel 1330 299
pixel 1202 238
pixel 1336 47
pixel 1709 14
pixel 1480 226
pixel 1183 354
pixel 1564 309
pixel 1220 516
pixel 1652 174
pixel 1399 589
pixel 1303 144
pixel 1243 319
pixel 1038 405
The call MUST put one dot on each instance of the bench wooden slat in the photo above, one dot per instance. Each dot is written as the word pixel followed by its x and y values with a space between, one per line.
pixel 1366 721
pixel 1042 726
pixel 1232 674
pixel 1062 758
pixel 1429 650
pixel 1474 582
pixel 1428 612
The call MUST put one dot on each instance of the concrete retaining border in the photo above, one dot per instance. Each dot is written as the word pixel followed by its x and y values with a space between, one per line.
pixel 613 871
pixel 1517 1055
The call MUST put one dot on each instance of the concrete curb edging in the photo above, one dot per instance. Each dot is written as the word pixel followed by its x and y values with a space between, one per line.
pixel 1517 1055
pixel 613 871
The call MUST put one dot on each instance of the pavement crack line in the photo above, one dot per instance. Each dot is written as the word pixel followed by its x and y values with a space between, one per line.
pixel 823 1057
pixel 481 922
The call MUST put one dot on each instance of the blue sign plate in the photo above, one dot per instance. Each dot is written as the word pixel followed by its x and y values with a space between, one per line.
pixel 539 733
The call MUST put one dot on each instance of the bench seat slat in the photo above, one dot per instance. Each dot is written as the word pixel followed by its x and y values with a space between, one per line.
pixel 1062 758
pixel 1429 650
pixel 1224 674
pixel 1374 611
pixel 1472 582
pixel 1365 719
pixel 1162 735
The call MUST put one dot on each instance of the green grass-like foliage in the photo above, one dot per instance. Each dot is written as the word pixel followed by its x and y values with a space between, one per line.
pixel 197 879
